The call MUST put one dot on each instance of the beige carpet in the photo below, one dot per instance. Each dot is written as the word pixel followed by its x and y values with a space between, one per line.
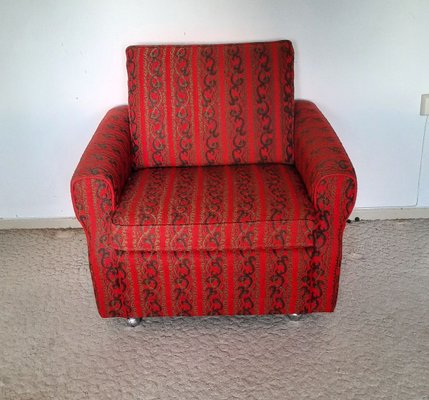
pixel 53 345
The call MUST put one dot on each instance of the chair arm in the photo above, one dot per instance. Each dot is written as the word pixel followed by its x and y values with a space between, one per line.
pixel 95 187
pixel 106 160
pixel 322 162
pixel 330 181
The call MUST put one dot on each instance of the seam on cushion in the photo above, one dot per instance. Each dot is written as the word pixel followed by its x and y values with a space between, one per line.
pixel 218 223
pixel 232 249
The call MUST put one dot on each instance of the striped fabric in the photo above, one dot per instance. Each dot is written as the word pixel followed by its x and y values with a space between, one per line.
pixel 240 282
pixel 211 104
pixel 212 208
pixel 220 214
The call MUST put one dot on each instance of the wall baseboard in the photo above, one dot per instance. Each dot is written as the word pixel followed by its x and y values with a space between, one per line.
pixel 362 213
pixel 39 223
pixel 390 213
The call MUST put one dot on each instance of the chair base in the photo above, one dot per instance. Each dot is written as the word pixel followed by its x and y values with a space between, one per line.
pixel 133 322
pixel 294 317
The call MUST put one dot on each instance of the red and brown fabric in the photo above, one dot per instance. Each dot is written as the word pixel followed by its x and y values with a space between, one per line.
pixel 254 206
pixel 95 187
pixel 211 104
pixel 200 283
pixel 330 180
pixel 203 229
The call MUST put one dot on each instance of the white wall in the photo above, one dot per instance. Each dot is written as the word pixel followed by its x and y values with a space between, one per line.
pixel 62 65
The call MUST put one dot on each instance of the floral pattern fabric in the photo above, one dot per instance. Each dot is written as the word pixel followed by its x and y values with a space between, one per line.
pixel 213 232
pixel 254 206
pixel 211 104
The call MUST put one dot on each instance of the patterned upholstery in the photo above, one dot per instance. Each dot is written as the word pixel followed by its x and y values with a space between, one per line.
pixel 244 207
pixel 211 104
pixel 196 206
pixel 241 282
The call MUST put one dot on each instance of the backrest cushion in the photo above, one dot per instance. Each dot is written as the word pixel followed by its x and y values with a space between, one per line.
pixel 211 104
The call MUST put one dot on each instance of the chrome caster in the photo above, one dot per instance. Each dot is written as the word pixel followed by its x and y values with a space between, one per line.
pixel 294 317
pixel 133 322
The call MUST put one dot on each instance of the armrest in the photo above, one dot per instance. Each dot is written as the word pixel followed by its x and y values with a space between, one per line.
pixel 322 162
pixel 105 161
pixel 95 187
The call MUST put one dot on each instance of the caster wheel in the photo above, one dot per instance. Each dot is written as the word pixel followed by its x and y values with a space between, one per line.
pixel 133 322
pixel 295 317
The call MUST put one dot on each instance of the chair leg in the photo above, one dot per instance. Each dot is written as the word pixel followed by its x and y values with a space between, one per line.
pixel 133 322
pixel 295 317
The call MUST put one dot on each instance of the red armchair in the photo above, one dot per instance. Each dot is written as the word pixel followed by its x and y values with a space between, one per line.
pixel 213 192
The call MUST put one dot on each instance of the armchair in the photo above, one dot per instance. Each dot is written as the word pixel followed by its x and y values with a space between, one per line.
pixel 213 192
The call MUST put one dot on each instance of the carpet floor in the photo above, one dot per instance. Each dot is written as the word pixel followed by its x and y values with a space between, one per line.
pixel 53 345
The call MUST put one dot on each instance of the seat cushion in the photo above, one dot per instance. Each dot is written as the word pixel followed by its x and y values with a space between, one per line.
pixel 195 105
pixel 251 206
